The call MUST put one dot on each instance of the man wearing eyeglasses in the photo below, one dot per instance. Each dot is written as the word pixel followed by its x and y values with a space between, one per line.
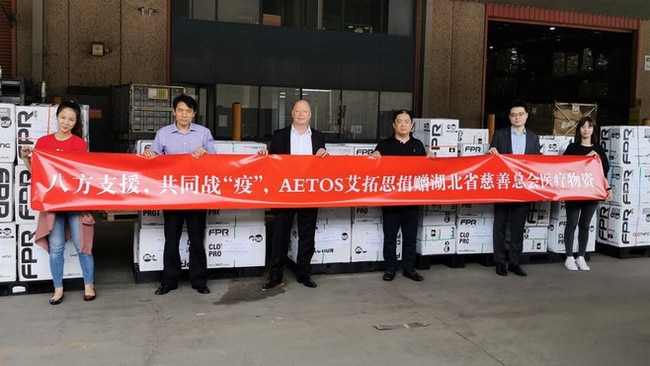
pixel 515 139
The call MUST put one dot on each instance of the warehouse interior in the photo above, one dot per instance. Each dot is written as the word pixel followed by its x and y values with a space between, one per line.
pixel 459 59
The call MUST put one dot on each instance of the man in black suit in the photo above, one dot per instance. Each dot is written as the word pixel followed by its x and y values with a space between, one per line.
pixel 297 139
pixel 515 139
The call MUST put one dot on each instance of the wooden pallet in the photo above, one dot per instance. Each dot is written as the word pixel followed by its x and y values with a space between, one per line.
pixel 38 287
pixel 423 262
pixel 537 258
pixel 623 252
pixel 119 215
pixel 213 273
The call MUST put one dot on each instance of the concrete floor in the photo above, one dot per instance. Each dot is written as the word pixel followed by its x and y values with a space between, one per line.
pixel 459 316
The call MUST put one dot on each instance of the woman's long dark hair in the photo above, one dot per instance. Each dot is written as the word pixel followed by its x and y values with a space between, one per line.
pixel 594 136
pixel 78 128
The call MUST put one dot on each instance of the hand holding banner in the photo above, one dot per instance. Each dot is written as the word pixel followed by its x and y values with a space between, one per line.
pixel 112 181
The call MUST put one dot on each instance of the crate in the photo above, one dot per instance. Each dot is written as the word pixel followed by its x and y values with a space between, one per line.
pixel 623 252
pixel 423 262
pixel 120 215
pixel 149 121
pixel 141 108
pixel 567 115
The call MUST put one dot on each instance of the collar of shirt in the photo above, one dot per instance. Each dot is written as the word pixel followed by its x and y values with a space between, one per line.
pixel 301 143
pixel 189 129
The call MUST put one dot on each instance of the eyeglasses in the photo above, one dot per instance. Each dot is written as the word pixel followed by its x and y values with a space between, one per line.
pixel 515 115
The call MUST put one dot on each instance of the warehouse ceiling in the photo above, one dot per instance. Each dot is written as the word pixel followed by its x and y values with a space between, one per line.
pixel 639 9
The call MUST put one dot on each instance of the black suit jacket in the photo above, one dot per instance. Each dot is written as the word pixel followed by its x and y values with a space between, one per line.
pixel 281 141
pixel 502 140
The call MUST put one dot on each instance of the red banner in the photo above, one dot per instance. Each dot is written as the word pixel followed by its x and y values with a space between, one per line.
pixel 107 181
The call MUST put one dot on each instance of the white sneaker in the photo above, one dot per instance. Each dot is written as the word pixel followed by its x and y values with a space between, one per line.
pixel 582 264
pixel 570 264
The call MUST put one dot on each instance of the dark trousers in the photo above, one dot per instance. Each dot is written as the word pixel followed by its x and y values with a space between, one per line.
pixel 578 213
pixel 395 217
pixel 195 220
pixel 513 213
pixel 306 219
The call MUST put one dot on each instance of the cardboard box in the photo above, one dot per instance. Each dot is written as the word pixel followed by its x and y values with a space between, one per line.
pixel 8 263
pixel 230 246
pixel 465 149
pixel 334 216
pixel 272 19
pixel 142 145
pixel 623 226
pixel 238 147
pixel 535 239
pixel 474 235
pixel 630 185
pixel 475 210
pixel 367 214
pixel 554 145
pixel 150 246
pixel 6 192
pixel 339 149
pixel 437 218
pixel 332 243
pixel 433 240
pixel 473 136
pixel 362 149
pixel 23 212
pixel 566 115
pixel 368 243
pixel 629 145
pixel 236 217
pixel 539 213
pixel 556 242
pixel 7 133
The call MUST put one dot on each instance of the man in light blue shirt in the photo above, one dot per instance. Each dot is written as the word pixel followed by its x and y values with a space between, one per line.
pixel 183 137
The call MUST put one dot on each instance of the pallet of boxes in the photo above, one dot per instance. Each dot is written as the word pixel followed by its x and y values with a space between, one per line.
pixel 624 221
pixel 235 240
pixel 24 266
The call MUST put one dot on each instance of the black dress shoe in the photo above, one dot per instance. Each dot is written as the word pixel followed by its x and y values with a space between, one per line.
pixel 271 283
pixel 54 301
pixel 389 276
pixel 516 269
pixel 163 289
pixel 501 269
pixel 90 297
pixel 202 289
pixel 308 282
pixel 413 275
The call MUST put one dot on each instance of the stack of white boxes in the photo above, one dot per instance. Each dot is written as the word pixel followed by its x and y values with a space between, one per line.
pixel 233 238
pixel 438 134
pixel 332 239
pixel 368 235
pixel 625 220
pixel 436 230
pixel 364 238
pixel 8 237
pixel 24 125
pixel 474 223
